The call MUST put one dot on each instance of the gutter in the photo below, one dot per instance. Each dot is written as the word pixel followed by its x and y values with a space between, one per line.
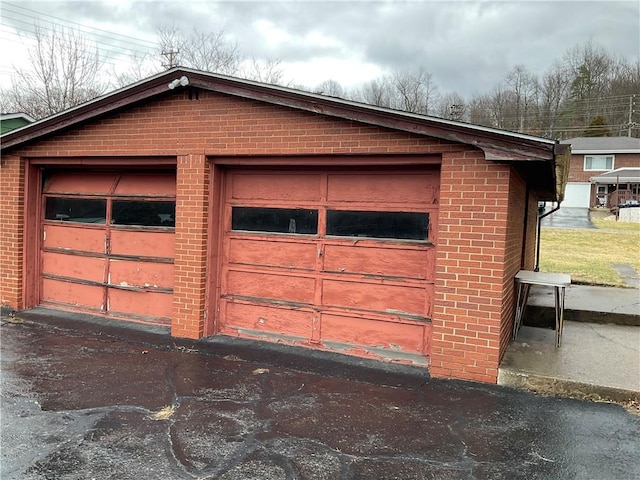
pixel 540 217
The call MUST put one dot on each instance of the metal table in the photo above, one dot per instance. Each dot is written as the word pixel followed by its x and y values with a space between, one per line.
pixel 524 280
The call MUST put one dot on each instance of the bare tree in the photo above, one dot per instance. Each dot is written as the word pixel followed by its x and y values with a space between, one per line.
pixel 171 43
pixel 554 88
pixel 376 92
pixel 416 92
pixel 267 70
pixel 64 71
pixel 524 86
pixel 212 52
pixel 330 88
pixel 139 67
pixel 453 107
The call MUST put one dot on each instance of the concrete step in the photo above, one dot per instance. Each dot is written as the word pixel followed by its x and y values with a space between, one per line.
pixel 595 361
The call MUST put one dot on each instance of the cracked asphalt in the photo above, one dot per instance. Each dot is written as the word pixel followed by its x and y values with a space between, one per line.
pixel 92 400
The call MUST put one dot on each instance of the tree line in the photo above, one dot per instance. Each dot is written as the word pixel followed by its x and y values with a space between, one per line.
pixel 588 91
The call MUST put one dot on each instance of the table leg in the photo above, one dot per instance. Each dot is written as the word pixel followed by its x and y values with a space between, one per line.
pixel 521 303
pixel 559 298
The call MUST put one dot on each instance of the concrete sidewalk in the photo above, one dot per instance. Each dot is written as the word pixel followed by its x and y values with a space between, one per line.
pixel 600 353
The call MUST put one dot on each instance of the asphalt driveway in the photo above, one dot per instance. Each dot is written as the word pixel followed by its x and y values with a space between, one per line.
pixel 87 400
pixel 568 217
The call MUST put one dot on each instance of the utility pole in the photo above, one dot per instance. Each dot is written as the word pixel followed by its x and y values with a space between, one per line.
pixel 632 99
pixel 170 57
pixel 455 112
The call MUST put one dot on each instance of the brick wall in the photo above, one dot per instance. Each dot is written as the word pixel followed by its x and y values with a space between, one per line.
pixel 513 255
pixel 472 240
pixel 529 260
pixel 11 230
pixel 576 167
pixel 190 263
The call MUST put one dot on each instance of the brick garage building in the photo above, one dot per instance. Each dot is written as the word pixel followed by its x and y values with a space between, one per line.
pixel 230 207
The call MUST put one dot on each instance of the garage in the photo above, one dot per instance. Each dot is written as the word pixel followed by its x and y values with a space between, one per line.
pixel 107 244
pixel 221 207
pixel 341 259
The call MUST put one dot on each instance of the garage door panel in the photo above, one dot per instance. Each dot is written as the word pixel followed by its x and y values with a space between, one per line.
pixel 80 239
pixel 270 286
pixel 73 294
pixel 80 257
pixel 81 183
pixel 73 266
pixel 377 297
pixel 373 332
pixel 141 274
pixel 415 264
pixel 265 318
pixel 363 283
pixel 283 187
pixel 143 243
pixel 150 304
pixel 383 188
pixel 272 253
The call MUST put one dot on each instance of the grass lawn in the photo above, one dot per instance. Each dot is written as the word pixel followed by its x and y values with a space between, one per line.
pixel 588 255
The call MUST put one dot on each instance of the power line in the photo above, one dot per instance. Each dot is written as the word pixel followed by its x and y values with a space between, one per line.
pixel 90 29
pixel 30 33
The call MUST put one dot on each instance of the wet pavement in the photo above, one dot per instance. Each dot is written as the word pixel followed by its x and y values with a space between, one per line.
pixel 94 401
pixel 568 217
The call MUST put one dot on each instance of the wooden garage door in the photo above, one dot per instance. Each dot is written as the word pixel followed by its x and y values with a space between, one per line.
pixel 107 244
pixel 340 259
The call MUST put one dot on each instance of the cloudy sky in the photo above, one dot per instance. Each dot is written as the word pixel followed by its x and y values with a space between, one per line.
pixel 467 46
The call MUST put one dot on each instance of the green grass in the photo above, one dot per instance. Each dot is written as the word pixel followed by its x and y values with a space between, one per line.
pixel 588 255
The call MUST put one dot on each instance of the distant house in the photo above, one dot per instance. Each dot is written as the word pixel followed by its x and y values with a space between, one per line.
pixel 213 205
pixel 11 121
pixel 603 171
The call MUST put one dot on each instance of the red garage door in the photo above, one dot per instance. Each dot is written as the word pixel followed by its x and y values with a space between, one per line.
pixel 339 259
pixel 108 244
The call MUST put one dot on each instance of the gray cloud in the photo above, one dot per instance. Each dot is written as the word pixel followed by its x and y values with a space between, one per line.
pixel 467 46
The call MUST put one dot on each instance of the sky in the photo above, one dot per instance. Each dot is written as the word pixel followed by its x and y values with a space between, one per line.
pixel 468 46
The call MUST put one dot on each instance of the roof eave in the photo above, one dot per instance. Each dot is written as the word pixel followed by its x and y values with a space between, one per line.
pixel 497 145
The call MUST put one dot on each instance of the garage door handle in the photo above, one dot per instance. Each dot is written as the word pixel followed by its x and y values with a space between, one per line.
pixel 319 253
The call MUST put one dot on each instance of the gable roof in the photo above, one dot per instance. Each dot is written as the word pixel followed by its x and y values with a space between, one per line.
pixel 533 156
pixel 603 145
pixel 15 116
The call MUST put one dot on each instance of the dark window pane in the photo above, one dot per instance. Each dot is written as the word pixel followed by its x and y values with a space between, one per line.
pixel 398 225
pixel 280 220
pixel 143 213
pixel 81 210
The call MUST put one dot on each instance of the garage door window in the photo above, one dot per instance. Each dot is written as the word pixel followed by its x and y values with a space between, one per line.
pixel 143 213
pixel 275 220
pixel 81 210
pixel 392 225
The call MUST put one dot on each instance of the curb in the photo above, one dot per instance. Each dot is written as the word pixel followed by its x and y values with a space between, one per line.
pixel 539 316
pixel 564 388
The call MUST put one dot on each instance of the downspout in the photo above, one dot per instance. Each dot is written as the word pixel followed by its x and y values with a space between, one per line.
pixel 562 159
pixel 540 217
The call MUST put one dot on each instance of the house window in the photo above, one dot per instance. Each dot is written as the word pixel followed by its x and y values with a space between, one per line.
pixel 598 162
